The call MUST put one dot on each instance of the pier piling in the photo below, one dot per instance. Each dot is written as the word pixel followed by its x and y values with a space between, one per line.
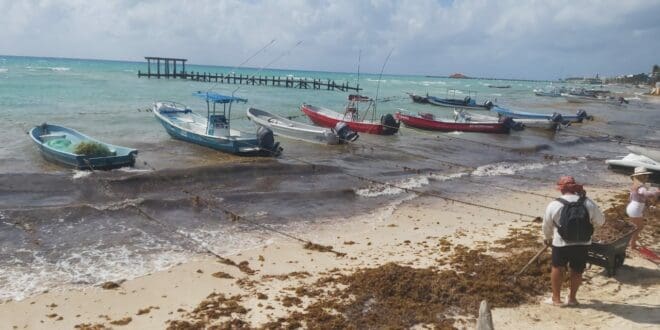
pixel 170 72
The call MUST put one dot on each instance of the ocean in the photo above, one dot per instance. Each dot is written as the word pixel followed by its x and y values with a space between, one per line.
pixel 61 228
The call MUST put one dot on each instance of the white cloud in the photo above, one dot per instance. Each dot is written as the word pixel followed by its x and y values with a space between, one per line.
pixel 529 39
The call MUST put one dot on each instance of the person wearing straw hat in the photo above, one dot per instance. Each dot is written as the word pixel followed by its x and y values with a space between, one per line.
pixel 639 194
pixel 566 225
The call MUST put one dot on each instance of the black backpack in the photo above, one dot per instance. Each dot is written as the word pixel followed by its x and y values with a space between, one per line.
pixel 574 223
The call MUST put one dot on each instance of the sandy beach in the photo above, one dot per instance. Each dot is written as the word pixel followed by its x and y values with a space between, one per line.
pixel 266 284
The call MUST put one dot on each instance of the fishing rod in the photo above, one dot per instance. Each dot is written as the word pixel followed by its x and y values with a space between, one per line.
pixel 287 52
pixel 380 76
pixel 246 60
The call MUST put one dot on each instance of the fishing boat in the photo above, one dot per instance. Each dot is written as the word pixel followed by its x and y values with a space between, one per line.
pixel 62 145
pixel 352 117
pixel 214 130
pixel 577 118
pixel 555 92
pixel 468 102
pixel 418 98
pixel 499 86
pixel 427 121
pixel 554 123
pixel 285 127
pixel 594 99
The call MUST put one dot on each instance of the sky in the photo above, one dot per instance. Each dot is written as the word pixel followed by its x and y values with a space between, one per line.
pixel 524 39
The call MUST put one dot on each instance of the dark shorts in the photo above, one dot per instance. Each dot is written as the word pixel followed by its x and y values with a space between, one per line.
pixel 575 256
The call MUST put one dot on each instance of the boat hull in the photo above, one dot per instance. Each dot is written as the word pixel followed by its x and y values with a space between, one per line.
pixel 123 156
pixel 237 145
pixel 530 115
pixel 457 104
pixel 436 125
pixel 293 130
pixel 323 120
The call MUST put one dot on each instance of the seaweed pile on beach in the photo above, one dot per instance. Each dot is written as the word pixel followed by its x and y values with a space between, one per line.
pixel 396 296
pixel 612 230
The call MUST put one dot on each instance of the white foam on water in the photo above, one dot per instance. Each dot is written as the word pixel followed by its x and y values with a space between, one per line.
pixel 78 174
pixel 21 279
pixel 496 169
pixel 4 70
pixel 505 168
pixel 60 68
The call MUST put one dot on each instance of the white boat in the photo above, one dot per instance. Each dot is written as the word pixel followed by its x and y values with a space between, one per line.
pixel 554 123
pixel 300 131
pixel 594 99
pixel 555 92
pixel 631 161
pixel 654 154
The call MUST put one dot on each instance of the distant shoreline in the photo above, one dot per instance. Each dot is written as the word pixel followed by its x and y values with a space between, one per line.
pixel 491 78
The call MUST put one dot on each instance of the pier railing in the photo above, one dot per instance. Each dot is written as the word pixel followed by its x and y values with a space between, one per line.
pixel 169 71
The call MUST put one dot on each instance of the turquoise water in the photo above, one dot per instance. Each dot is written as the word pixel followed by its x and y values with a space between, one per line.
pixel 60 227
pixel 106 99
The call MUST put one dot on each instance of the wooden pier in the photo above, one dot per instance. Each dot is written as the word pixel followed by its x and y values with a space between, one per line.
pixel 169 71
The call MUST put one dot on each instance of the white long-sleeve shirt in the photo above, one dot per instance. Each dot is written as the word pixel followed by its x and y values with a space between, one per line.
pixel 553 213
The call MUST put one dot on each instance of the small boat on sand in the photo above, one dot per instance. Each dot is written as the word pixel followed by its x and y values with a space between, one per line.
pixel 281 126
pixel 628 163
pixel 214 130
pixel 71 148
pixel 428 121
pixel 577 118
pixel 352 117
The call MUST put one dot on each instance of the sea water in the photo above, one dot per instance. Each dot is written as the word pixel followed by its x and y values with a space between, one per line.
pixel 60 227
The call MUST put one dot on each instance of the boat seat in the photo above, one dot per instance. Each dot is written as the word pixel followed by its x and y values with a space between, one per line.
pixel 49 137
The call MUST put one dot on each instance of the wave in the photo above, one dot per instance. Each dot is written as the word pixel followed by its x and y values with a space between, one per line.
pixel 400 186
pixel 47 68
pixel 4 70
pixel 496 169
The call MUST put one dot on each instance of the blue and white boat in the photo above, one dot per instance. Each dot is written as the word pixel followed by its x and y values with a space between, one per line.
pixel 214 130
pixel 466 103
pixel 577 118
pixel 58 144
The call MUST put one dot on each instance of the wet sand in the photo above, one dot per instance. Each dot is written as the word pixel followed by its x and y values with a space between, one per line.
pixel 412 235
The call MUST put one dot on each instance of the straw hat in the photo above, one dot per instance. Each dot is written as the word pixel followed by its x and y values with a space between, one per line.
pixel 640 170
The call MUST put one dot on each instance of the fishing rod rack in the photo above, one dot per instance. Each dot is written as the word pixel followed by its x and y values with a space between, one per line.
pixel 169 66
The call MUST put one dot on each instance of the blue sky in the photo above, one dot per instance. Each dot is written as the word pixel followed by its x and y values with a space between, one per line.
pixel 510 39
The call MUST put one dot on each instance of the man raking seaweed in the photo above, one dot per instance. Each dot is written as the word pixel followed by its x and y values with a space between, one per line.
pixel 568 224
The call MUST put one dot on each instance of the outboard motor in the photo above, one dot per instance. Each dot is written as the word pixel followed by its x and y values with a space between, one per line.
pixel 582 115
pixel 466 100
pixel 512 124
pixel 488 104
pixel 558 119
pixel 390 125
pixel 267 141
pixel 345 133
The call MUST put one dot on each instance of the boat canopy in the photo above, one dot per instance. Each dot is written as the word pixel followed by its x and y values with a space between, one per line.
pixel 218 98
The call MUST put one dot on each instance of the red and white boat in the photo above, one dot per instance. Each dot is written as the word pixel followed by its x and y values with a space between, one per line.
pixel 427 121
pixel 329 118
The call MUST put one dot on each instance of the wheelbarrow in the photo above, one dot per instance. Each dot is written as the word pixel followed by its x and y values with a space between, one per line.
pixel 609 255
